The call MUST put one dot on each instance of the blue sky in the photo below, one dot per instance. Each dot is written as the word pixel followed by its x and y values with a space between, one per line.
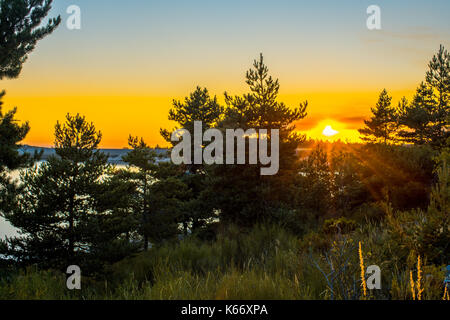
pixel 213 38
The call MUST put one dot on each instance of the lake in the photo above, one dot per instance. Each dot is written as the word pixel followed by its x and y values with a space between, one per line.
pixel 6 229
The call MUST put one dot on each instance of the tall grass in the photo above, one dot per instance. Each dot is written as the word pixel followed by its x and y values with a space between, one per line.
pixel 266 262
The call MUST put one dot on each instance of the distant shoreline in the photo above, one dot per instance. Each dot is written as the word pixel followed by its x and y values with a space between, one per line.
pixel 114 155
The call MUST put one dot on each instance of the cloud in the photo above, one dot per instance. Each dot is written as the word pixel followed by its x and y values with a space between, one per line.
pixel 351 123
pixel 307 123
pixel 415 42
pixel 412 34
pixel 354 122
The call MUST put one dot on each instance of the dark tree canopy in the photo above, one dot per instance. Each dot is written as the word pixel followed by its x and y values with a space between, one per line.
pixel 159 193
pixel 415 118
pixel 199 106
pixel 60 206
pixel 20 30
pixel 75 208
pixel 77 139
pixel 258 109
pixel 425 119
pixel 11 133
pixel 382 125
pixel 438 80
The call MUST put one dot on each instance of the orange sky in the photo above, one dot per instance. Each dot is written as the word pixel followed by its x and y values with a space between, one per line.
pixel 123 76
pixel 119 116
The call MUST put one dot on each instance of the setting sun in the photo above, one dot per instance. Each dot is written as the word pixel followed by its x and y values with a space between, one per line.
pixel 332 130
pixel 329 131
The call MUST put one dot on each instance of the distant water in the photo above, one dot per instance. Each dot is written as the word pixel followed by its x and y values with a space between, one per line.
pixel 6 229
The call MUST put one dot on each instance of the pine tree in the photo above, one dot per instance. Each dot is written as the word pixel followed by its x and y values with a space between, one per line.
pixel 144 159
pixel 158 193
pixel 199 106
pixel 257 198
pixel 20 30
pixel 315 182
pixel 415 118
pixel 438 79
pixel 425 120
pixel 11 134
pixel 445 154
pixel 57 209
pixel 169 198
pixel 382 125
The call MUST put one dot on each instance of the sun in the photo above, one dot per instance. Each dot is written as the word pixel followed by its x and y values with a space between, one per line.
pixel 332 130
pixel 329 131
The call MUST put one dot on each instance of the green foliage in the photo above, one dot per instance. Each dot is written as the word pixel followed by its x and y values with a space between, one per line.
pixel 20 30
pixel 400 175
pixel 258 109
pixel 266 263
pixel 315 182
pixel 34 285
pixel 159 193
pixel 11 134
pixel 199 106
pixel 415 117
pixel 341 225
pixel 382 125
pixel 58 208
pixel 20 25
pixel 426 232
pixel 225 231
pixel 353 180
pixel 425 120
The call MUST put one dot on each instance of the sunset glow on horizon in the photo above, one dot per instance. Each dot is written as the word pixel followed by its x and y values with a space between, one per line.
pixel 124 76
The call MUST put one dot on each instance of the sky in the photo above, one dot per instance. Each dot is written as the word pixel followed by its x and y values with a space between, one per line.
pixel 132 58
